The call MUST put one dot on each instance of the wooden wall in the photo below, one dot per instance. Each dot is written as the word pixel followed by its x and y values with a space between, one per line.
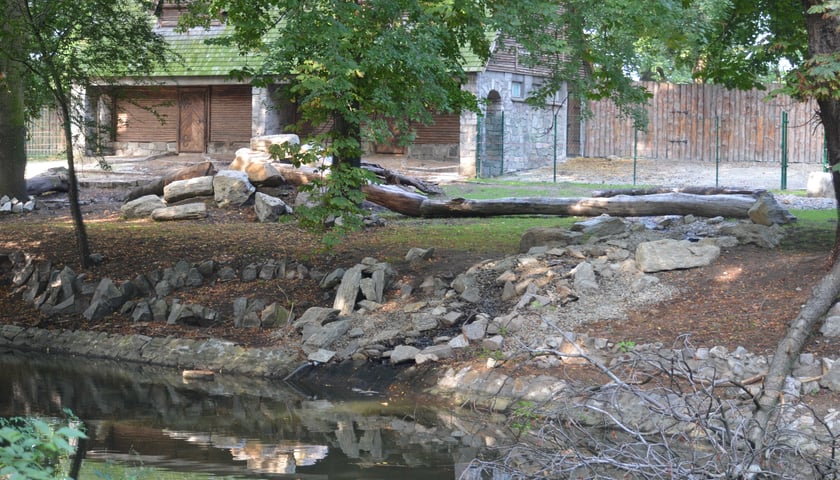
pixel 683 127
pixel 230 113
pixel 136 119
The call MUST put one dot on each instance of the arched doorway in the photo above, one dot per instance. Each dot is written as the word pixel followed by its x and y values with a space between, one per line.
pixel 491 150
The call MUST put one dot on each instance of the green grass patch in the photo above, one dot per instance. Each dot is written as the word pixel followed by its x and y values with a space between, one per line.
pixel 481 235
pixel 479 190
pixel 813 230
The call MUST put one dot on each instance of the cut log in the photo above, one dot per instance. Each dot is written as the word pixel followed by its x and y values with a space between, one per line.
pixel 156 187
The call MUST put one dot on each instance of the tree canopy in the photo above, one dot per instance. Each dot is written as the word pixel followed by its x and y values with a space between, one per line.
pixel 58 48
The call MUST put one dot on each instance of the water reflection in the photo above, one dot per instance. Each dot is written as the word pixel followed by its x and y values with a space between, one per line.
pixel 242 426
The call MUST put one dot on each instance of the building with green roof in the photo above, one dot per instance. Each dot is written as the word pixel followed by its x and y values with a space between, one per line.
pixel 196 105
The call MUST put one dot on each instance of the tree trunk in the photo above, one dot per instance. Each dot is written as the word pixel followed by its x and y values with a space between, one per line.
pixel 12 115
pixel 413 204
pixel 822 40
pixel 82 244
pixel 692 190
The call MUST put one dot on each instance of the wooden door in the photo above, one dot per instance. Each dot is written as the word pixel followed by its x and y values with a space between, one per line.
pixel 192 124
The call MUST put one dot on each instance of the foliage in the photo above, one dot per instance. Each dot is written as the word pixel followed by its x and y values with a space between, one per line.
pixel 34 448
pixel 371 69
pixel 65 46
pixel 625 346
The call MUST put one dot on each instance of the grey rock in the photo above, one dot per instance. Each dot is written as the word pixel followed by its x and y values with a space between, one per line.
pixel 231 187
pixel 190 211
pixel 205 268
pixel 493 343
pixel 459 341
pixel 275 315
pixel 348 290
pixel 417 254
pixel 321 356
pixel 160 309
pixel 585 280
pixel 163 288
pixel 475 330
pixel 189 188
pixel 332 279
pixel 317 316
pixel 668 254
pixel 269 209
pixel 600 226
pixel 142 312
pixel 766 211
pixel 240 308
pixel 751 233
pixel 368 289
pixel 249 272
pixel 142 207
pixel 423 322
pixel 227 274
pixel 404 353
pixel 550 237
pixel 106 299
pixel 326 335
pixel 452 318
pixel 820 184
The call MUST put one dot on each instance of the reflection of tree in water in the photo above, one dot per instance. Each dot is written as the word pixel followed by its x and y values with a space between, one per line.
pixel 212 425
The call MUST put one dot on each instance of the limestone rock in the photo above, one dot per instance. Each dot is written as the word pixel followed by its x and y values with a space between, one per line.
pixel 142 207
pixel 761 235
pixel 276 315
pixel 263 142
pixel 600 226
pixel 404 353
pixel 550 237
pixel 231 187
pixel 668 254
pixel 348 290
pixel 326 335
pixel 416 254
pixel 820 184
pixel 106 299
pixel 766 211
pixel 189 188
pixel 269 208
pixel 190 211
pixel 584 278
pixel 831 325
pixel 318 316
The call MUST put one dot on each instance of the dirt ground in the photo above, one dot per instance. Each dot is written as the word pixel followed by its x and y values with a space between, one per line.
pixel 746 298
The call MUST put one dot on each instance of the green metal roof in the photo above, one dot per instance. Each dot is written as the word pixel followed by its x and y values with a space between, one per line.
pixel 198 59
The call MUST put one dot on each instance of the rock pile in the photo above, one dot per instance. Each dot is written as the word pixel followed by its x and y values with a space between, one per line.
pixel 13 205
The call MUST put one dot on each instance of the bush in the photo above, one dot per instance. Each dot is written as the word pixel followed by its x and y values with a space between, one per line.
pixel 35 448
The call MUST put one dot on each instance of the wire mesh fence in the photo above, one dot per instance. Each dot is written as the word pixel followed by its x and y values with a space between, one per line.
pixel 45 138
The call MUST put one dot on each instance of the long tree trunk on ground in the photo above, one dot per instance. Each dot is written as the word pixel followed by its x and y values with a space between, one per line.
pixel 12 116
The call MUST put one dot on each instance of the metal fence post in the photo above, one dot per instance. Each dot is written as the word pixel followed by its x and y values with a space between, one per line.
pixel 555 147
pixel 635 152
pixel 478 147
pixel 717 150
pixel 784 150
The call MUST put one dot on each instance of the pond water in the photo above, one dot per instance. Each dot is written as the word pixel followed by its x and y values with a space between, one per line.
pixel 148 417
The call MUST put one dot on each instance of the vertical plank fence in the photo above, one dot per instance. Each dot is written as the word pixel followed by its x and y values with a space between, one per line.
pixel 682 126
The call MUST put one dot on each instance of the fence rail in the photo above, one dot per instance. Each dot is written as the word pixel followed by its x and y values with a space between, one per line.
pixel 707 123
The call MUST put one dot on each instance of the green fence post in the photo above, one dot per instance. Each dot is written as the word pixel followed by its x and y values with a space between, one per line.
pixel 478 147
pixel 784 150
pixel 502 160
pixel 555 147
pixel 826 168
pixel 635 152
pixel 717 150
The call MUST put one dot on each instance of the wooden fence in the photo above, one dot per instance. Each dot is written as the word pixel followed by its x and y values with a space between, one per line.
pixel 692 122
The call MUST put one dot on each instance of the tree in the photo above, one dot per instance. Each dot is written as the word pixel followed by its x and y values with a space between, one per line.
pixel 62 47
pixel 12 110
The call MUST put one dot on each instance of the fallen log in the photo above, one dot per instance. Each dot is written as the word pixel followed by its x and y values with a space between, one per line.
pixel 413 204
pixel 156 187
pixel 53 180
pixel 391 177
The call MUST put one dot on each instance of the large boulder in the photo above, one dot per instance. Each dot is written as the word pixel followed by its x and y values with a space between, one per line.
pixel 264 142
pixel 189 188
pixel 142 207
pixel 820 184
pixel 761 235
pixel 269 208
pixel 231 187
pixel 190 211
pixel 601 226
pixel 668 254
pixel 766 211
pixel 547 237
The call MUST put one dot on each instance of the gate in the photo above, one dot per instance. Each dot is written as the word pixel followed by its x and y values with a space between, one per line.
pixel 491 145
